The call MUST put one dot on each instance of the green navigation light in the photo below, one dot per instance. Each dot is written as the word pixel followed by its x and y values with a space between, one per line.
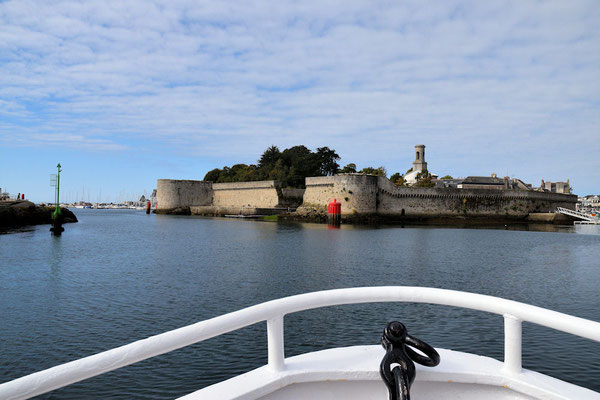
pixel 57 212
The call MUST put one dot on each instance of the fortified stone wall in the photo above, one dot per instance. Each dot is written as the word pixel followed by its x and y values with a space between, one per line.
pixel 172 195
pixel 359 195
pixel 263 194
pixel 291 198
pixel 368 195
pixel 448 202
pixel 356 192
pixel 179 196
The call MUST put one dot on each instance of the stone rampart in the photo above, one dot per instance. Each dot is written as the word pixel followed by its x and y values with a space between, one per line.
pixel 178 195
pixel 372 195
pixel 291 198
pixel 449 202
pixel 263 194
pixel 359 195
pixel 356 192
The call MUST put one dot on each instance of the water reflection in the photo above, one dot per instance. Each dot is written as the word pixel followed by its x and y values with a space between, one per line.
pixel 119 276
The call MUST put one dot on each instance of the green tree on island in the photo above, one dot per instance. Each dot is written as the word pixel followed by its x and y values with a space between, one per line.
pixel 290 166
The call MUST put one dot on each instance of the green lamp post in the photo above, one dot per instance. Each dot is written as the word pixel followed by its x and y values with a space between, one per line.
pixel 56 228
pixel 56 212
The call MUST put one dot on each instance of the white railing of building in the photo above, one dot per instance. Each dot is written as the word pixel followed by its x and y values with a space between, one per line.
pixel 273 312
pixel 575 214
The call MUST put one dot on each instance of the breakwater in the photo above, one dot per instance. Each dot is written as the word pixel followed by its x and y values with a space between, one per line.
pixel 18 213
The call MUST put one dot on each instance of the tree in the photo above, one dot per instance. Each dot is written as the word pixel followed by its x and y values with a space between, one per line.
pixel 425 182
pixel 280 172
pixel 305 164
pixel 243 172
pixel 447 177
pixel 349 169
pixel 290 166
pixel 374 171
pixel 213 175
pixel 225 175
pixel 269 157
pixel 327 159
pixel 398 179
pixel 424 179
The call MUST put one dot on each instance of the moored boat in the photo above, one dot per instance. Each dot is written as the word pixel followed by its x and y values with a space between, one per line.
pixel 351 372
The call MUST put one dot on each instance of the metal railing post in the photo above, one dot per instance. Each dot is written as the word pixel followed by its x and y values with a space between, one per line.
pixel 275 343
pixel 513 329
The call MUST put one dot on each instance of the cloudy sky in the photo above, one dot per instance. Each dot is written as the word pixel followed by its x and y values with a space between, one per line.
pixel 124 92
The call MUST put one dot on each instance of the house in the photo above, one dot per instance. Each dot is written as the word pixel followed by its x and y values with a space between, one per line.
pixel 556 187
pixel 483 182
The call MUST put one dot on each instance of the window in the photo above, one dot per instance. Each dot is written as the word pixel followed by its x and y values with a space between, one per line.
pixel 418 155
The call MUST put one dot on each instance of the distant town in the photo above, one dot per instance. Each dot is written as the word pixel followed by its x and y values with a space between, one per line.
pixel 140 204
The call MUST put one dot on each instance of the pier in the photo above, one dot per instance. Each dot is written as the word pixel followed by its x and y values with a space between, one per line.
pixel 585 218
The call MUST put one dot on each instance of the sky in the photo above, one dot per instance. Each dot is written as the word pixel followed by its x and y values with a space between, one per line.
pixel 123 93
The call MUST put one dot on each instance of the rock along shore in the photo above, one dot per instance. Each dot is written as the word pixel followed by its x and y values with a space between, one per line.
pixel 319 215
pixel 18 213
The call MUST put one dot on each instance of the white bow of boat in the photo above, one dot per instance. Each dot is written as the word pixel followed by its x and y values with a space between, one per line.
pixel 352 372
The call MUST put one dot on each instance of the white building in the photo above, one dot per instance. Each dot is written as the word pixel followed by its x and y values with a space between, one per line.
pixel 419 165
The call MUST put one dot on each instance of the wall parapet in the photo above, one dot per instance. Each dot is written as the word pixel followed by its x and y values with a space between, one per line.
pixel 320 184
pixel 246 185
pixel 451 193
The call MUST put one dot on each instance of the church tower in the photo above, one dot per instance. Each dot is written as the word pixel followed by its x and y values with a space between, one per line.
pixel 419 164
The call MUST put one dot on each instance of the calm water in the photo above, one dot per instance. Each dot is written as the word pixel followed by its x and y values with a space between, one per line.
pixel 119 276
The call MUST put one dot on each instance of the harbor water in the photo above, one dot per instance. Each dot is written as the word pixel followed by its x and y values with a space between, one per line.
pixel 120 275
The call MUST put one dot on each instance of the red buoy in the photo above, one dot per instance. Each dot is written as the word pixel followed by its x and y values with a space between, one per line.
pixel 334 212
pixel 148 208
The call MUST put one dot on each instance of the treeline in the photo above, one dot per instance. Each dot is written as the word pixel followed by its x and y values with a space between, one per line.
pixel 291 166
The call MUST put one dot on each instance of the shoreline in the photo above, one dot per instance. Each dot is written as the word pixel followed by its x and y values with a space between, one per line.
pixel 20 213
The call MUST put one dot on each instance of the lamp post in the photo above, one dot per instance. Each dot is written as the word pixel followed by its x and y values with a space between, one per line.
pixel 57 228
pixel 56 212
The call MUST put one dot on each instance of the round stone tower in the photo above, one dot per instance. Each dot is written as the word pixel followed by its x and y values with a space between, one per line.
pixel 419 164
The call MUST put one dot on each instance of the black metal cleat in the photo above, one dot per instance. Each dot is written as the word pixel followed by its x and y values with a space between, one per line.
pixel 397 368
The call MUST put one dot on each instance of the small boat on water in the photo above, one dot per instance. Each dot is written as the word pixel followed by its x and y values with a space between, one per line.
pixel 350 372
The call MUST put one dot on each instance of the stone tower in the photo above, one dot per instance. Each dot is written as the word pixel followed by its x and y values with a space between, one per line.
pixel 419 164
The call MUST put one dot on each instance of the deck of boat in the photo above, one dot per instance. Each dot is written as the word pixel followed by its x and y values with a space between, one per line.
pixel 353 373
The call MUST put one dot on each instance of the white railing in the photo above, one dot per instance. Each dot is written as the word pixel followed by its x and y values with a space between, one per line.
pixel 576 214
pixel 274 311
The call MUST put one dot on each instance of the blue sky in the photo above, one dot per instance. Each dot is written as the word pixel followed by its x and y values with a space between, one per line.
pixel 122 93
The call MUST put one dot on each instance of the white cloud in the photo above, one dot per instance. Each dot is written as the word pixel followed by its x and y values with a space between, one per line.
pixel 487 80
